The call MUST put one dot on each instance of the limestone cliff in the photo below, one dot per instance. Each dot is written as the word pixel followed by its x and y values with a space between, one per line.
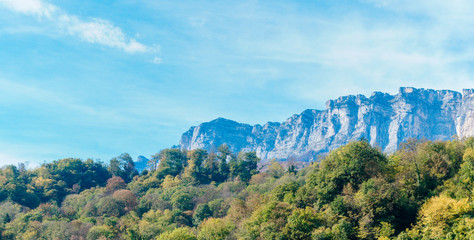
pixel 384 120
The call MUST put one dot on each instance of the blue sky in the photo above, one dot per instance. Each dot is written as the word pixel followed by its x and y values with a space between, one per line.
pixel 93 79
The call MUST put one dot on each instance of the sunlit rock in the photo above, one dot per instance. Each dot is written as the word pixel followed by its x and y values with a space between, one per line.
pixel 382 119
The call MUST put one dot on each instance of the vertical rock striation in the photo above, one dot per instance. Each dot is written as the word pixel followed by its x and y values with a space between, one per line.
pixel 384 120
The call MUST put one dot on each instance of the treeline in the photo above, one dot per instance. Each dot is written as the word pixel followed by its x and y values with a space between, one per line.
pixel 422 191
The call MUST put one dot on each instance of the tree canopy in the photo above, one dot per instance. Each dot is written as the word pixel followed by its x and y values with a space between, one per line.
pixel 421 191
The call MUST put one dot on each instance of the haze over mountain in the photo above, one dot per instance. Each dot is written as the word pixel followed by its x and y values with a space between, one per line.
pixel 384 120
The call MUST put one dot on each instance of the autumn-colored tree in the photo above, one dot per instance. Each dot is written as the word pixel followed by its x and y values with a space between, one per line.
pixel 441 213
pixel 115 183
pixel 127 197
pixel 275 169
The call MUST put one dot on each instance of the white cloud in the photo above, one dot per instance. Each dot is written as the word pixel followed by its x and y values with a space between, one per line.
pixel 96 31
pixel 30 7
pixel 101 32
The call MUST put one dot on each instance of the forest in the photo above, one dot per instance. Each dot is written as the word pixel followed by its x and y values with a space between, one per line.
pixel 421 191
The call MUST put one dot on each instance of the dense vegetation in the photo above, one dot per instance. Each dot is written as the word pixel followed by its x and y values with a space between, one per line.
pixel 423 191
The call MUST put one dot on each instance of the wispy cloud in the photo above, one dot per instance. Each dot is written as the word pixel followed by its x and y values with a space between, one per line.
pixel 95 30
pixel 31 7
pixel 370 45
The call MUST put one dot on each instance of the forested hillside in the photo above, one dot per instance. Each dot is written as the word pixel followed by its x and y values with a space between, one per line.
pixel 422 191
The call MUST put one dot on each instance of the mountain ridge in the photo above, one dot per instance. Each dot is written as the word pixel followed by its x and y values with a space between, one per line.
pixel 383 119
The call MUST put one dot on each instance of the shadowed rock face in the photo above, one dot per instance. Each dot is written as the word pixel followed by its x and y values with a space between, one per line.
pixel 384 120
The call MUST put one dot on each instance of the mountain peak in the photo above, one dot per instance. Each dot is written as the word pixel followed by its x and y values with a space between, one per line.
pixel 221 119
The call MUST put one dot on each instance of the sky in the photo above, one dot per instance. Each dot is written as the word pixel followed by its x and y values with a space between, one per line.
pixel 94 79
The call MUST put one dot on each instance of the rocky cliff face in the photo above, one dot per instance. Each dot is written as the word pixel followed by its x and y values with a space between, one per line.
pixel 384 120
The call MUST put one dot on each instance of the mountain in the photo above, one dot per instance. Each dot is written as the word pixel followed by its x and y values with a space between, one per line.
pixel 141 163
pixel 384 120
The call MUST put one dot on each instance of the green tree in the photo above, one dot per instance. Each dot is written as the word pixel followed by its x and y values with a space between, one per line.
pixel 178 233
pixel 462 184
pixel 275 169
pixel 268 221
pixel 301 223
pixel 100 232
pixel 182 200
pixel 172 162
pixel 124 167
pixel 215 229
pixel 218 208
pixel 351 164
pixel 194 173
pixel 211 170
pixel 202 212
pixel 244 166
pixel 154 161
pixel 224 154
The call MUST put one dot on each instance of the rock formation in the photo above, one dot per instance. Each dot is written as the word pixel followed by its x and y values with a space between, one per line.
pixel 384 120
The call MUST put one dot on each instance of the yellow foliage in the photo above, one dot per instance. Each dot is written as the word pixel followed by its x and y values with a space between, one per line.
pixel 464 229
pixel 43 182
pixel 275 169
pixel 3 180
pixel 30 235
pixel 170 182
pixel 469 153
pixel 215 229
pixel 440 212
